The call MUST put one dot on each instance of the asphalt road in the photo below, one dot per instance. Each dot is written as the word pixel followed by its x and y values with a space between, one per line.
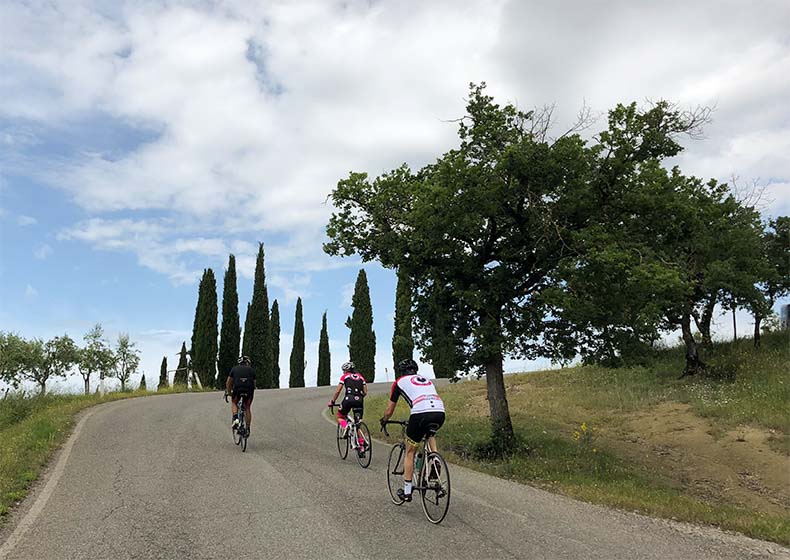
pixel 159 477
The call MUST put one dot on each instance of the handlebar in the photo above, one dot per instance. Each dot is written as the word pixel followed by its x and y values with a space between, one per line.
pixel 226 397
pixel 384 425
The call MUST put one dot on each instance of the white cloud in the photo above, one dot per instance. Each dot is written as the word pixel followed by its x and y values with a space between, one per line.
pixel 253 111
pixel 23 220
pixel 30 292
pixel 43 251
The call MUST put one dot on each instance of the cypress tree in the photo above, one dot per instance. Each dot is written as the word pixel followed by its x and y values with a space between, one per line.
pixel 260 343
pixel 324 358
pixel 142 384
pixel 443 348
pixel 402 340
pixel 245 343
pixel 180 377
pixel 230 336
pixel 362 339
pixel 204 333
pixel 274 324
pixel 164 383
pixel 297 350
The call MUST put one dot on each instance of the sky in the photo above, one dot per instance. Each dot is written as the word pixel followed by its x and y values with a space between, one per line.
pixel 141 142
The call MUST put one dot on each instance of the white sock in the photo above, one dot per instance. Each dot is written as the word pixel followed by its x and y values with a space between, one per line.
pixel 407 486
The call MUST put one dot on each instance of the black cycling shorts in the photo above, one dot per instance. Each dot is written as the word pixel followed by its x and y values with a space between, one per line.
pixel 352 404
pixel 420 424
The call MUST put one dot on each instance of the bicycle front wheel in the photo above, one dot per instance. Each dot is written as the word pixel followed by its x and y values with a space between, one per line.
pixel 364 445
pixel 435 492
pixel 395 471
pixel 342 443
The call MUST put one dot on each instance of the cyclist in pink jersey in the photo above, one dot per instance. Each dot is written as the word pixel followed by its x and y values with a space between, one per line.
pixel 356 389
pixel 427 415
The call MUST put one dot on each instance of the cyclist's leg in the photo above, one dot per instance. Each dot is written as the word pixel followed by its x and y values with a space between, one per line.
pixel 358 412
pixel 234 406
pixel 415 431
pixel 342 414
pixel 248 410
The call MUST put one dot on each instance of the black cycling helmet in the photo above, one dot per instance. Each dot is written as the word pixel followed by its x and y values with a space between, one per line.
pixel 407 367
pixel 349 366
pixel 244 359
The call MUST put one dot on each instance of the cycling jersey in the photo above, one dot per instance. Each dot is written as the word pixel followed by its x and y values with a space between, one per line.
pixel 418 392
pixel 243 379
pixel 354 385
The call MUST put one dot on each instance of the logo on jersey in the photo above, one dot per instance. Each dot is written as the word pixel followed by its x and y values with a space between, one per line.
pixel 420 380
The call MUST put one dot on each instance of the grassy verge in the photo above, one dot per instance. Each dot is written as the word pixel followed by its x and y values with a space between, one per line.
pixel 586 432
pixel 31 429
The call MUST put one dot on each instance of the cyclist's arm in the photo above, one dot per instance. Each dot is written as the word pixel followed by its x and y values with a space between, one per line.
pixel 389 411
pixel 337 392
pixel 364 389
pixel 229 385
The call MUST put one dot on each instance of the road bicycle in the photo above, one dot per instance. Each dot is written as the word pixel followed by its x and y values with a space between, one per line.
pixel 356 436
pixel 431 475
pixel 240 432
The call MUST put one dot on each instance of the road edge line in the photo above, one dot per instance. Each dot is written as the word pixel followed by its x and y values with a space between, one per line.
pixel 49 488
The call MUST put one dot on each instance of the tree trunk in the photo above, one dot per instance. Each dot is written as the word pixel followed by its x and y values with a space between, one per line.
pixel 43 385
pixel 693 363
pixel 501 427
pixel 123 384
pixel 87 385
pixel 704 323
pixel 757 320
pixel 734 327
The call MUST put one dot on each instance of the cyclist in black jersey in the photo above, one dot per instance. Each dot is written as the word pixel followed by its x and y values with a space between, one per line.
pixel 241 380
pixel 355 387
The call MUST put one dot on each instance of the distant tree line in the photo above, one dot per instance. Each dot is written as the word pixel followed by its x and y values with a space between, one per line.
pixel 36 361
pixel 522 244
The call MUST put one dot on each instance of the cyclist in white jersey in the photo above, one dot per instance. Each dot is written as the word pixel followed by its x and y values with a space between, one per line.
pixel 427 414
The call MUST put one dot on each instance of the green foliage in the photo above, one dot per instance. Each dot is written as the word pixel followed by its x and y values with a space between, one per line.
pixel 437 332
pixel 362 338
pixel 258 316
pixel 324 358
pixel 42 361
pixel 95 357
pixel 127 359
pixel 230 335
pixel 275 345
pixel 297 350
pixel 164 382
pixel 402 340
pixel 12 354
pixel 182 371
pixel 142 386
pixel 204 332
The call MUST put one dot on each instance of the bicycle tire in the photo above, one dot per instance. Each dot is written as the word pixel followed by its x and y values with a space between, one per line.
pixel 342 443
pixel 362 429
pixel 244 442
pixel 435 496
pixel 395 472
pixel 236 436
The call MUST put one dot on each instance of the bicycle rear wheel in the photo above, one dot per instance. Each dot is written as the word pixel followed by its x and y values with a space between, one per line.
pixel 342 443
pixel 365 447
pixel 236 435
pixel 435 492
pixel 244 440
pixel 395 471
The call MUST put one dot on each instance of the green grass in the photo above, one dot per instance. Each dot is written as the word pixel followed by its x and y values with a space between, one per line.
pixel 553 452
pixel 31 430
